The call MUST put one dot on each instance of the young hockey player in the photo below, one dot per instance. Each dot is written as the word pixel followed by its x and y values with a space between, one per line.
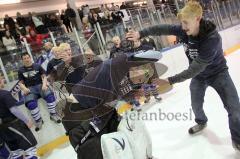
pixel 14 129
pixel 33 83
pixel 92 115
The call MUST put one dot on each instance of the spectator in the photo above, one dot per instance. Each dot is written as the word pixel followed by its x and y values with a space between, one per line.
pixel 29 20
pixel 17 33
pixel 38 24
pixel 86 10
pixel 63 27
pixel 2 31
pixel 66 21
pixel 117 16
pixel 46 56
pixel 47 21
pixel 56 60
pixel 117 48
pixel 20 30
pixel 36 41
pixel 13 32
pixel 102 8
pixel 80 12
pixel 21 21
pixel 10 22
pixel 123 6
pixel 9 41
pixel 54 23
pixel 88 32
pixel 94 18
pixel 92 61
pixel 2 48
pixel 106 7
pixel 107 24
pixel 71 15
pixel 112 8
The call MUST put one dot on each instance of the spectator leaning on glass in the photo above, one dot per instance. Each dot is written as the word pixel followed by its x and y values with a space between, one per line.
pixel 207 65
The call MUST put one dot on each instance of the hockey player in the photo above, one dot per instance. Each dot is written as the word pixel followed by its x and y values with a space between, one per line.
pixel 141 79
pixel 33 83
pixel 14 129
pixel 207 65
pixel 4 151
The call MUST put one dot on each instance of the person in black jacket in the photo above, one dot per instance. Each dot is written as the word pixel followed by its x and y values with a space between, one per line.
pixel 207 65
pixel 71 15
pixel 21 21
pixel 10 22
pixel 66 21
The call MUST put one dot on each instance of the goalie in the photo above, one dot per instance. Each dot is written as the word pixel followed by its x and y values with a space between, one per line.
pixel 93 113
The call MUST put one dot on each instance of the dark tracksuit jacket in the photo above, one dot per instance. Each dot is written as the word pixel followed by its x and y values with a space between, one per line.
pixel 204 51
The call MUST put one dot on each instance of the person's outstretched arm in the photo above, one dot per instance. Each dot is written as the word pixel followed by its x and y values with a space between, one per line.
pixel 157 30
pixel 208 53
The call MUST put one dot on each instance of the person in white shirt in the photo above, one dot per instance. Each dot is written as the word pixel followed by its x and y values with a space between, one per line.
pixel 9 41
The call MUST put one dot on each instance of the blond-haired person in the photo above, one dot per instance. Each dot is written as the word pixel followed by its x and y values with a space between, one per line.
pixel 207 65
pixel 56 60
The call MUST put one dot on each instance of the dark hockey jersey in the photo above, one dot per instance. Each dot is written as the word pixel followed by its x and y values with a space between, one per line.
pixel 107 82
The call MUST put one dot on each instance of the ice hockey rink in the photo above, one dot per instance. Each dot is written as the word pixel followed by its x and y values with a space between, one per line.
pixel 170 138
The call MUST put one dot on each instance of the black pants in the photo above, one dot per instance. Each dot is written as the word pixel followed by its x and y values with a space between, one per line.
pixel 17 136
pixel 91 148
pixel 68 27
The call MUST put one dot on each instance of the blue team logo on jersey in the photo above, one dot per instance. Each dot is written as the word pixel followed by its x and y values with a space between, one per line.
pixel 17 94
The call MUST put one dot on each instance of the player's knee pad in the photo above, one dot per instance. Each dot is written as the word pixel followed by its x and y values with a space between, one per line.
pixel 50 98
pixel 31 105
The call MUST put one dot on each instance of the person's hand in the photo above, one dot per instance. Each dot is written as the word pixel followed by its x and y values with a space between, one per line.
pixel 44 87
pixel 65 57
pixel 29 124
pixel 133 35
pixel 26 91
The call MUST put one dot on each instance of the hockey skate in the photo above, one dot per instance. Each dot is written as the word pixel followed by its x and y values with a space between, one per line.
pixel 55 118
pixel 39 125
